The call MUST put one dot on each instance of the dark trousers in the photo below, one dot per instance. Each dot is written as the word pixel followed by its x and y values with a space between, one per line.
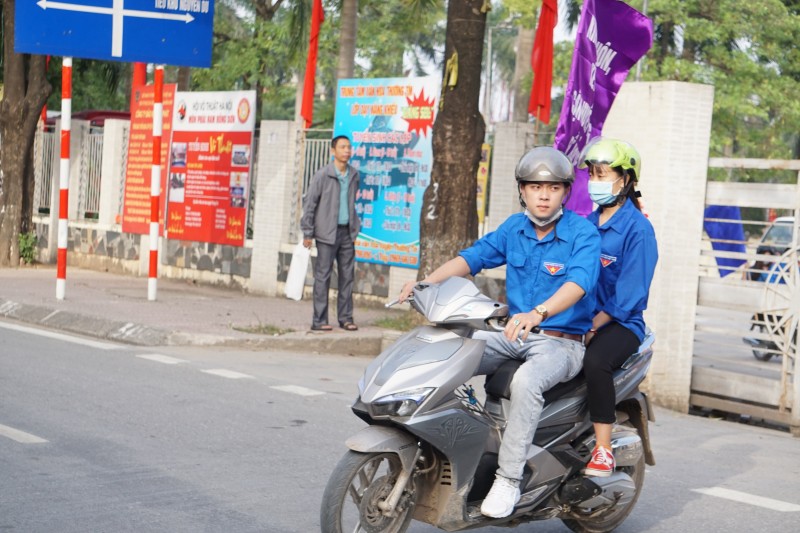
pixel 344 252
pixel 609 349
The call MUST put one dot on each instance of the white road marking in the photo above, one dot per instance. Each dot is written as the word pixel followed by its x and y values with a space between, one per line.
pixel 743 497
pixel 20 436
pixel 61 337
pixel 227 373
pixel 294 389
pixel 158 358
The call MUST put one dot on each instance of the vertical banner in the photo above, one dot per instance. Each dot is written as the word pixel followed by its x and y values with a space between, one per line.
pixel 483 181
pixel 389 122
pixel 210 165
pixel 611 38
pixel 136 198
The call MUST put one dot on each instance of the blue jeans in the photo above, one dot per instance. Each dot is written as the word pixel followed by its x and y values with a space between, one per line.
pixel 547 361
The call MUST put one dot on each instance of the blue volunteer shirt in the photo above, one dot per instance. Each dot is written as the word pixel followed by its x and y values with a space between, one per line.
pixel 536 269
pixel 628 260
pixel 344 211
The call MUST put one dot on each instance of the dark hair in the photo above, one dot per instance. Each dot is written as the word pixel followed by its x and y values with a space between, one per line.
pixel 336 140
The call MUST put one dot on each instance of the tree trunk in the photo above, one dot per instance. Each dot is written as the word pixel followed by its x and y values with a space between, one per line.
pixel 522 70
pixel 449 219
pixel 347 40
pixel 184 80
pixel 25 92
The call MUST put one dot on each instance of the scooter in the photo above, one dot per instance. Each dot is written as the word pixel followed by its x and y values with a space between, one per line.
pixel 429 451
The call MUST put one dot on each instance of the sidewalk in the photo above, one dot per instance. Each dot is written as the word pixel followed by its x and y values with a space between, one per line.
pixel 115 307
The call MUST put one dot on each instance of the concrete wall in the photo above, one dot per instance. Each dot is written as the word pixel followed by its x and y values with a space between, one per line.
pixel 511 141
pixel 670 124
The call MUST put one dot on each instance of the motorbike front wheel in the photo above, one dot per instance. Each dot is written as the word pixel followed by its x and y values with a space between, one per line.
pixel 357 484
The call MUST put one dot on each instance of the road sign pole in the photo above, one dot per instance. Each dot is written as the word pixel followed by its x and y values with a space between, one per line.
pixel 63 182
pixel 155 181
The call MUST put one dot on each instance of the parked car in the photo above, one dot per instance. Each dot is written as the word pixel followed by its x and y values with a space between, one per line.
pixel 777 238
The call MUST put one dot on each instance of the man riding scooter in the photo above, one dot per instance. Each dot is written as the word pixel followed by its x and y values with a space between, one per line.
pixel 552 269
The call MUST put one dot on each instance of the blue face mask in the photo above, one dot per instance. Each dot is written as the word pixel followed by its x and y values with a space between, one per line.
pixel 601 192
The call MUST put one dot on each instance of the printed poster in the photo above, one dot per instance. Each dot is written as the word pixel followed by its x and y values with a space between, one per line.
pixel 210 165
pixel 389 122
pixel 138 172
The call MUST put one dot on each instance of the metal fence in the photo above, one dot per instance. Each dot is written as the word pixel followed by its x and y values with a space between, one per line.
pixel 90 173
pixel 45 144
pixel 312 152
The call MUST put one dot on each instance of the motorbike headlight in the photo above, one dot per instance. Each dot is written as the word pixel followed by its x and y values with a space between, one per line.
pixel 403 403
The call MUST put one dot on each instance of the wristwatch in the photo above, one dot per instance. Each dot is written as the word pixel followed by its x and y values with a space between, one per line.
pixel 542 310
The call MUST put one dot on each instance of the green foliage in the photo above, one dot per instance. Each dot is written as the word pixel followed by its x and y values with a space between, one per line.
pixel 95 84
pixel 753 65
pixel 27 247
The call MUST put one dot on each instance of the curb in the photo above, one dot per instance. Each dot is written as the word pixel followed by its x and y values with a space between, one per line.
pixel 368 343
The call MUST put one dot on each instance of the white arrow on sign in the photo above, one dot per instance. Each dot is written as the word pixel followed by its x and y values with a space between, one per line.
pixel 117 12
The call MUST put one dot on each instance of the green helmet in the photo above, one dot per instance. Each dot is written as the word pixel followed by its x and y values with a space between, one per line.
pixel 612 152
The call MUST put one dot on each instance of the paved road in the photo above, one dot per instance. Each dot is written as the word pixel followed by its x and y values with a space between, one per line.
pixel 104 437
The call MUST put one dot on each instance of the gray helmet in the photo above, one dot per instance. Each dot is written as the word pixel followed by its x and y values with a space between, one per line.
pixel 544 163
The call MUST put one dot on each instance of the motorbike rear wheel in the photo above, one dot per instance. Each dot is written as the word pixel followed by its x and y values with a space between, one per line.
pixel 612 518
pixel 762 355
pixel 357 484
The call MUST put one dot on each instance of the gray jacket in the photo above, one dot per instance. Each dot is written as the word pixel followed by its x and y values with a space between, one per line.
pixel 321 205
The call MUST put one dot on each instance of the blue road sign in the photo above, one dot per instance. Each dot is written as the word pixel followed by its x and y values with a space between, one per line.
pixel 170 32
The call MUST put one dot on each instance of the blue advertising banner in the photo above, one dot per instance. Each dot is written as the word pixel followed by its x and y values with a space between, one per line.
pixel 172 32
pixel 389 122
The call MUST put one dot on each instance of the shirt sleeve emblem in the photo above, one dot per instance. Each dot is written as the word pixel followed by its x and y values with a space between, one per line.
pixel 553 268
pixel 606 260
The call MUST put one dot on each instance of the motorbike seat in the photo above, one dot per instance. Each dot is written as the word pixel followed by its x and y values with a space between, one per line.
pixel 498 385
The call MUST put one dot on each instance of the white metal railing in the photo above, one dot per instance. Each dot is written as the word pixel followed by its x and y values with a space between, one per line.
pixel 90 174
pixel 45 144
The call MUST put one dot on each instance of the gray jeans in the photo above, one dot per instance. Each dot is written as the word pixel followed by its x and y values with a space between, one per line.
pixel 548 361
pixel 344 253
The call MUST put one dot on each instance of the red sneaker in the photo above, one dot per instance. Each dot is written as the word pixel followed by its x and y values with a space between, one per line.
pixel 602 463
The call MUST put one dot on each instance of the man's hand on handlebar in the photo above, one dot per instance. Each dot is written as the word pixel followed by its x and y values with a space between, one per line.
pixel 521 324
pixel 405 292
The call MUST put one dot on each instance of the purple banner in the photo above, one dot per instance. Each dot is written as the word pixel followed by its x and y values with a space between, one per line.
pixel 611 38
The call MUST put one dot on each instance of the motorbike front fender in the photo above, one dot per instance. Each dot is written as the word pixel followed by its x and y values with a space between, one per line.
pixel 380 439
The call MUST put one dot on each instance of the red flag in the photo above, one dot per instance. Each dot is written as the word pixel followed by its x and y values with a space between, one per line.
pixel 307 109
pixel 542 62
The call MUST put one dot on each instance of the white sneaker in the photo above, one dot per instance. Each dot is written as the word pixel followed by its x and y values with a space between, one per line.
pixel 501 499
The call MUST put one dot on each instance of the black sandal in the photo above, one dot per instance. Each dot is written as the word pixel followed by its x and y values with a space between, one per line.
pixel 349 326
pixel 323 327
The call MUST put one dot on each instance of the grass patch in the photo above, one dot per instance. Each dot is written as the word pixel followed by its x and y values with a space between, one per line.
pixel 405 321
pixel 263 329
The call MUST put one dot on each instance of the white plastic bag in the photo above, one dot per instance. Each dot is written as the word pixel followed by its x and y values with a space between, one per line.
pixel 296 278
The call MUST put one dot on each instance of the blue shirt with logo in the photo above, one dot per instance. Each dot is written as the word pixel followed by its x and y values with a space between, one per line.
pixel 536 269
pixel 628 260
pixel 344 215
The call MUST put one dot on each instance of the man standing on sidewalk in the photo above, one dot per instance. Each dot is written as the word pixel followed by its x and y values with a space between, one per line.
pixel 329 216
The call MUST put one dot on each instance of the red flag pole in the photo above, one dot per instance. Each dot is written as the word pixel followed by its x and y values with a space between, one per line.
pixel 63 182
pixel 307 108
pixel 155 180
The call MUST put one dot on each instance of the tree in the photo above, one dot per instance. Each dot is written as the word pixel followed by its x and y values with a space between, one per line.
pixel 25 92
pixel 449 220
pixel 348 31
pixel 754 67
